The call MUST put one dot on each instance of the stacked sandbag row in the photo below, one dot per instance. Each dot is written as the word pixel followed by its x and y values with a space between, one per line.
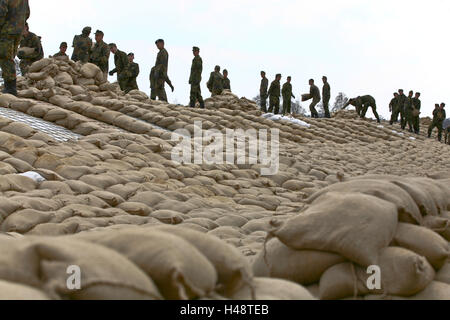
pixel 400 225
pixel 230 101
pixel 151 263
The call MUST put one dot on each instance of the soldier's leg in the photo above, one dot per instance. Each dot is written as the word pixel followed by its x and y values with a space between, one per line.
pixel 162 94
pixel 193 96
pixel 289 107
pixel 374 110
pixel 440 129
pixel 416 124
pixel 271 104
pixel 285 106
pixel 430 129
pixel 264 104
pixel 152 94
pixel 409 119
pixel 364 109
pixel 277 105
pixel 326 109
pixel 313 110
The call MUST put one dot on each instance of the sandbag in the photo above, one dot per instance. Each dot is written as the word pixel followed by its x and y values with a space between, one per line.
pixel 39 65
pixel 89 70
pixel 64 78
pixel 301 266
pixel 439 225
pixel 13 291
pixel 26 51
pixel 335 222
pixel 444 273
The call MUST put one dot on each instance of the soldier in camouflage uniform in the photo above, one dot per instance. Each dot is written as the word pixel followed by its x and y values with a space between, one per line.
pixel 13 16
pixel 62 50
pixel 226 81
pixel 415 113
pixel 314 94
pixel 82 46
pixel 160 72
pixel 286 92
pixel 215 82
pixel 274 95
pixel 408 108
pixel 263 91
pixel 362 104
pixel 195 78
pixel 121 62
pixel 29 40
pixel 438 120
pixel 99 54
pixel 401 107
pixel 394 109
pixel 131 73
pixel 326 95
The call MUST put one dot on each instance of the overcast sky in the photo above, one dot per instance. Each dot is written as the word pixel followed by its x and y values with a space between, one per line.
pixel 363 46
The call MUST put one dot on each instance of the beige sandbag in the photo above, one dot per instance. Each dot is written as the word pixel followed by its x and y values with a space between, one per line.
pixel 300 266
pixel 46 83
pixel 24 220
pixel 39 65
pixel 272 289
pixel 6 99
pixel 14 182
pixel 233 270
pixel 64 78
pixel 37 76
pixel 440 225
pixel 444 273
pixel 354 225
pixel 8 206
pixel 89 70
pixel 436 291
pixel 14 291
pixel 84 81
pixel 343 281
pixel 26 51
pixel 424 242
pixel 135 208
pixel 179 270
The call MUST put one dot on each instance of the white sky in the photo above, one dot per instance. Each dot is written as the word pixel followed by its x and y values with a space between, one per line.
pixel 363 46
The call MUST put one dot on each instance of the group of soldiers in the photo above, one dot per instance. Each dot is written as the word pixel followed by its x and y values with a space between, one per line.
pixel 275 91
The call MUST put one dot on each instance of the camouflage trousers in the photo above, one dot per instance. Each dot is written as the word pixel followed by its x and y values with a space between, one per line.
pixel 274 104
pixel 8 51
pixel 312 108
pixel 287 105
pixel 374 110
pixel 326 107
pixel 159 93
pixel 195 95
pixel 131 85
pixel 408 120
pixel 264 103
pixel 436 124
pixel 395 114
pixel 122 81
pixel 416 123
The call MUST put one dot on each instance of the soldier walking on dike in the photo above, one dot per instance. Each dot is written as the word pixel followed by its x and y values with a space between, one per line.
pixel 215 82
pixel 263 91
pixel 29 40
pixel 326 95
pixel 274 95
pixel 401 100
pixel 362 104
pixel 100 54
pixel 408 112
pixel 82 45
pixel 13 16
pixel 394 109
pixel 131 73
pixel 438 121
pixel 286 92
pixel 226 81
pixel 314 94
pixel 121 62
pixel 62 50
pixel 195 79
pixel 160 77
pixel 415 113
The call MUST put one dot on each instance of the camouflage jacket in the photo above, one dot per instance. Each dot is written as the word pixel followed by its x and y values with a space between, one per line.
pixel 439 115
pixel 82 46
pixel 59 54
pixel 161 64
pixel 393 104
pixel 215 82
pixel 196 71
pixel 401 99
pixel 367 101
pixel 275 89
pixel 120 61
pixel 264 87
pixel 408 103
pixel 226 83
pixel 416 103
pixel 157 82
pixel 314 92
pixel 32 41
pixel 286 90
pixel 13 15
pixel 326 92
pixel 100 55
pixel 132 72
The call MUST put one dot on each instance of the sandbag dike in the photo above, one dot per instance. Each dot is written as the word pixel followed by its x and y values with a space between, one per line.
pixel 348 194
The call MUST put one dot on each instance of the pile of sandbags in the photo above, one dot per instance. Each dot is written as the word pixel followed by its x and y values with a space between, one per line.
pixel 230 101
pixel 399 225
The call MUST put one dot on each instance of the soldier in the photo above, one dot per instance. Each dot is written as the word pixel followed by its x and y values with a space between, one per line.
pixel 286 91
pixel 393 107
pixel 13 16
pixel 29 40
pixel 401 107
pixel 121 62
pixel 438 121
pixel 62 50
pixel 408 112
pixel 415 112
pixel 215 82
pixel 314 94
pixel 226 81
pixel 195 79
pixel 274 95
pixel 99 54
pixel 131 72
pixel 263 91
pixel 82 46
pixel 362 104
pixel 160 71
pixel 326 94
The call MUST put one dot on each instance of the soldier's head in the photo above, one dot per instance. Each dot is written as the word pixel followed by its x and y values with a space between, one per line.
pixel 395 94
pixel 263 74
pixel 99 35
pixel 159 44
pixel 217 68
pixel 196 51
pixel 324 79
pixel 417 95
pixel 225 73
pixel 436 105
pixel 289 79
pixel 86 31
pixel 442 105
pixel 311 82
pixel 278 77
pixel 113 48
pixel 400 91
pixel 411 93
pixel 63 47
pixel 131 57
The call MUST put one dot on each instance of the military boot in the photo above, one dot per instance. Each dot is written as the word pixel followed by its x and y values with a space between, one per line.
pixel 202 105
pixel 10 87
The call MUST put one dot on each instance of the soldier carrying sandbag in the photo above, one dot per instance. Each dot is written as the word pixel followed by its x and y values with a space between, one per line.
pixel 32 41
pixel 62 50
pixel 121 62
pixel 438 121
pixel 13 16
pixel 131 73
pixel 195 79
pixel 362 104
pixel 82 45
pixel 215 82
pixel 99 54
pixel 314 94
